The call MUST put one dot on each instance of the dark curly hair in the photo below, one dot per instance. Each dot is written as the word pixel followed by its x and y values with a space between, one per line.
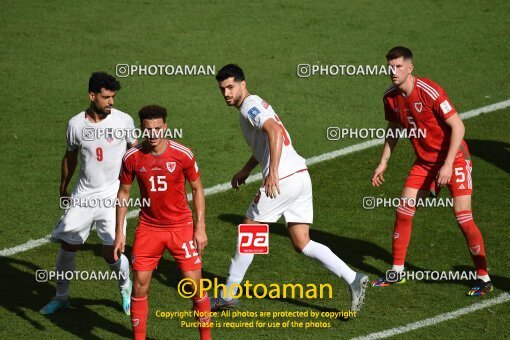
pixel 152 112
pixel 102 80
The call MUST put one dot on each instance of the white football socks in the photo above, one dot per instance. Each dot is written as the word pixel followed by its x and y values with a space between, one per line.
pixel 328 259
pixel 121 269
pixel 241 262
pixel 238 266
pixel 65 262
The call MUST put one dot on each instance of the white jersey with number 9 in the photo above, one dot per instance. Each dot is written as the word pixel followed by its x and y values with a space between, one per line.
pixel 102 146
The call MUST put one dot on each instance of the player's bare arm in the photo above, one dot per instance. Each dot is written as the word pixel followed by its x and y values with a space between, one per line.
pixel 69 163
pixel 199 235
pixel 243 174
pixel 389 146
pixel 120 213
pixel 458 130
pixel 275 137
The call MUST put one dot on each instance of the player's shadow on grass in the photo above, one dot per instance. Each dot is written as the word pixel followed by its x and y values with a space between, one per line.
pixel 20 290
pixel 354 251
pixel 23 296
pixel 495 152
pixel 351 251
pixel 80 320
pixel 168 274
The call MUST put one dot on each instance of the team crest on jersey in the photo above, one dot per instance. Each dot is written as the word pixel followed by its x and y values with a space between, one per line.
pixel 109 135
pixel 135 322
pixel 418 106
pixel 265 104
pixel 170 166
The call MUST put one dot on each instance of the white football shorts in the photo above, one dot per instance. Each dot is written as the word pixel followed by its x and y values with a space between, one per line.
pixel 75 225
pixel 294 202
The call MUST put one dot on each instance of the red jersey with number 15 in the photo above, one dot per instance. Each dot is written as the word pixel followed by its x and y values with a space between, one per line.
pixel 162 180
pixel 426 109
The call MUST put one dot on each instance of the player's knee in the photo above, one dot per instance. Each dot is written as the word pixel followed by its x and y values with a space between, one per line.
pixel 299 245
pixel 140 288
pixel 70 248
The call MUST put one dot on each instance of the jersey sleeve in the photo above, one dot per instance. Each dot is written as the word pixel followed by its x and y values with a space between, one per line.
pixel 191 170
pixel 443 106
pixel 71 140
pixel 389 114
pixel 130 126
pixel 257 114
pixel 127 170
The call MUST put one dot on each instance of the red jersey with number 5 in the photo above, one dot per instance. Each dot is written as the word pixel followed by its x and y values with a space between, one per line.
pixel 425 109
pixel 162 181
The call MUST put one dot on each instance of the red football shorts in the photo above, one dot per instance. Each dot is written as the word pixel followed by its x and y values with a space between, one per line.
pixel 423 177
pixel 150 243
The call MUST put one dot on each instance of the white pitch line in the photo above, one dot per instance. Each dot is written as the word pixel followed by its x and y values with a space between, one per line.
pixel 25 246
pixel 505 297
pixel 258 176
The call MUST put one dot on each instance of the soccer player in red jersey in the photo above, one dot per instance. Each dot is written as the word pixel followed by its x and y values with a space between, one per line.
pixel 161 168
pixel 442 159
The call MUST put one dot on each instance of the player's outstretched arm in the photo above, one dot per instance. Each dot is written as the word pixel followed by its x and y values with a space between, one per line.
pixel 120 214
pixel 68 167
pixel 458 130
pixel 389 146
pixel 199 235
pixel 275 137
pixel 241 177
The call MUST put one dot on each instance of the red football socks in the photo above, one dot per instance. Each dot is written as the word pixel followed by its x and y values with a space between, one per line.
pixel 202 308
pixel 139 311
pixel 402 233
pixel 474 240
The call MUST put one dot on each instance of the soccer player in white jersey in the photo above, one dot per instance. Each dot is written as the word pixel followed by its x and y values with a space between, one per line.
pixel 287 188
pixel 101 136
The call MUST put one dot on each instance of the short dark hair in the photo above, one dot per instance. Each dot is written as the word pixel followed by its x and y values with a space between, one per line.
pixel 230 70
pixel 152 112
pixel 100 80
pixel 399 51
